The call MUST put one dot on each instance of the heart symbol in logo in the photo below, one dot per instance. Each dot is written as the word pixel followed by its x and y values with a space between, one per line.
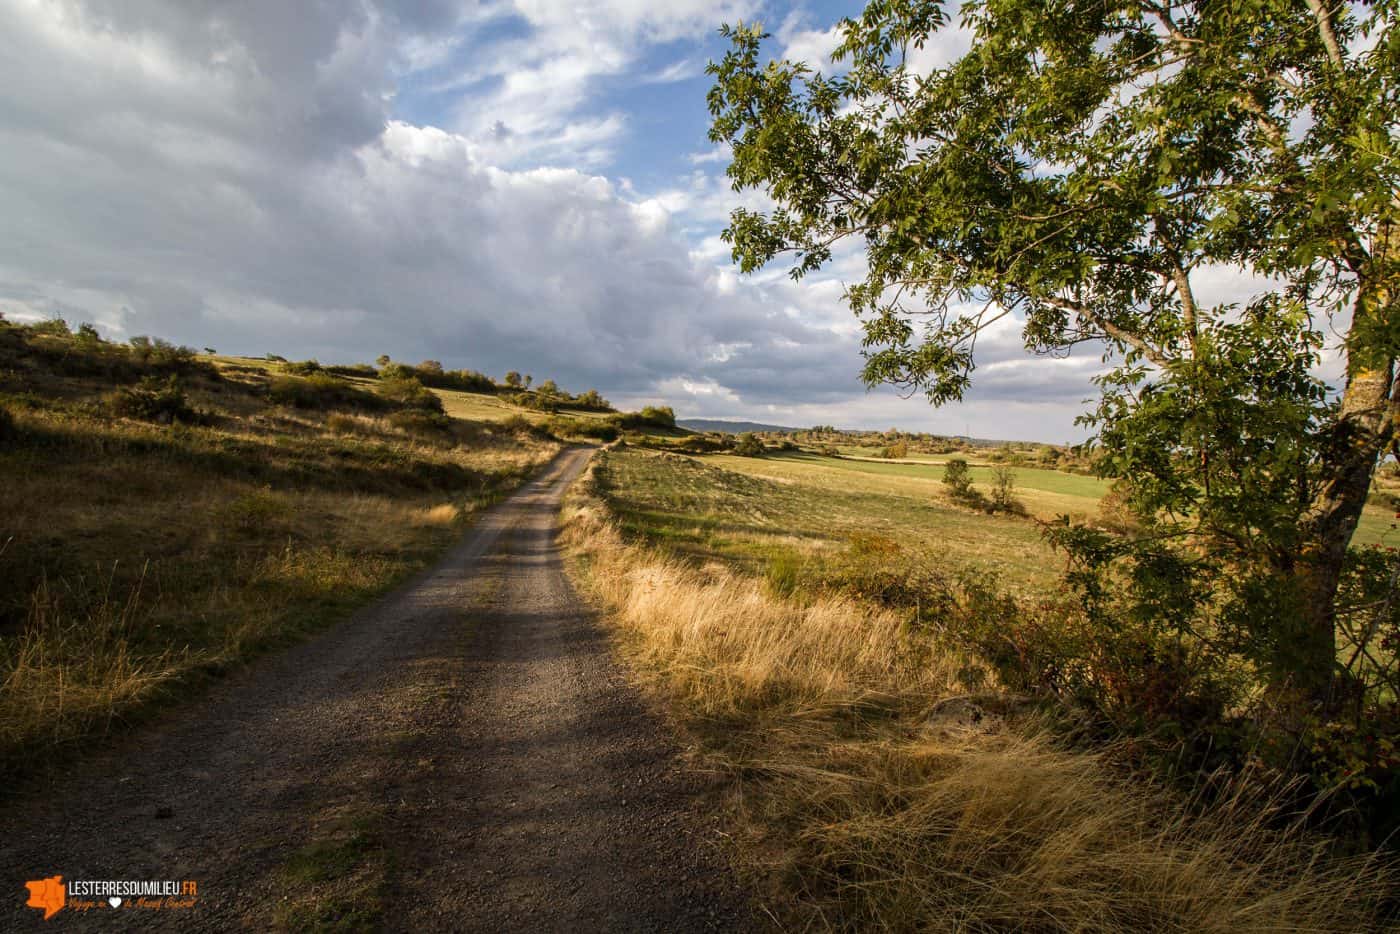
pixel 114 902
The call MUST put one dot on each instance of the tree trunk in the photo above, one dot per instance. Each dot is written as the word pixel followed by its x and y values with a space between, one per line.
pixel 1364 426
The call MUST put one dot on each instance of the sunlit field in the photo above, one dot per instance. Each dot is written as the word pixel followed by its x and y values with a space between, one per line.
pixel 754 510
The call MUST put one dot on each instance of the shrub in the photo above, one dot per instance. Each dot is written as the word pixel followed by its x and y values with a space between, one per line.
pixel 84 353
pixel 957 478
pixel 431 373
pixel 153 400
pixel 535 401
pixel 1004 490
pixel 363 370
pixel 749 445
pixel 704 444
pixel 582 428
pixel 785 572
pixel 469 381
pixel 159 354
pixel 53 327
pixel 304 368
pixel 652 416
pixel 829 450
pixel 659 415
pixel 593 401
pixel 320 391
pixel 894 451
pixel 410 394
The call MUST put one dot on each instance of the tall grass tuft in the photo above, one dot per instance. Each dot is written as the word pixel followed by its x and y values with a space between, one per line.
pixel 69 675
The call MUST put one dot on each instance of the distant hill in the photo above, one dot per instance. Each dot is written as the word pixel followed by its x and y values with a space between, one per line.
pixel 719 424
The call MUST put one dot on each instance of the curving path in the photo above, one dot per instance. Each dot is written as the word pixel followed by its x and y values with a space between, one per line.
pixel 463 755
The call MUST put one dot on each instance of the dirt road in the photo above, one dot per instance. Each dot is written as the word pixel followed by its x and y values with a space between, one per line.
pixel 463 755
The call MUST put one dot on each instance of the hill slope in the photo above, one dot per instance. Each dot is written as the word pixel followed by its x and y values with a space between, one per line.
pixel 165 517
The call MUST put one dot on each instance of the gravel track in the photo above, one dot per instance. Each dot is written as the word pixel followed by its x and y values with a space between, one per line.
pixel 474 724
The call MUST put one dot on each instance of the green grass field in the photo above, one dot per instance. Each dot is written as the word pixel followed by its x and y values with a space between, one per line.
pixel 750 510
pixel 1045 493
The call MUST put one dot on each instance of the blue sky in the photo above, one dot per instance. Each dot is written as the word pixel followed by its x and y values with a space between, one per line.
pixel 510 184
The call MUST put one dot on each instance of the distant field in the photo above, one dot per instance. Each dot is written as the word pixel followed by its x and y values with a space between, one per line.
pixel 751 509
pixel 1045 493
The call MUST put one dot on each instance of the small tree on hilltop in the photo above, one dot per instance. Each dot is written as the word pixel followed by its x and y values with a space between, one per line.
pixel 513 379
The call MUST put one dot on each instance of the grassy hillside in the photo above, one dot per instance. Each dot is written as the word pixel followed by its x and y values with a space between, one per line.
pixel 166 516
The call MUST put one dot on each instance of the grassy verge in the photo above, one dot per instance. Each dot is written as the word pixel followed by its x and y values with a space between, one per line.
pixel 139 558
pixel 873 790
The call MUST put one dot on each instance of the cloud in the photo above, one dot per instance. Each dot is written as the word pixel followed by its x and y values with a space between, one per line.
pixel 540 81
pixel 722 153
pixel 683 70
pixel 801 43
pixel 241 176
pixel 812 46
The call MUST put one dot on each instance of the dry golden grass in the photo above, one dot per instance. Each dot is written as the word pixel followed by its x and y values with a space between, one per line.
pixel 138 559
pixel 872 793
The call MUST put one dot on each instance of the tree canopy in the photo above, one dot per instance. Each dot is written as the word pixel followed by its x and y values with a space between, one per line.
pixel 1078 169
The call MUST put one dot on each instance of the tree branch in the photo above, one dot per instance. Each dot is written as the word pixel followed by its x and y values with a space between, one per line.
pixel 1112 330
pixel 1182 281
pixel 1324 29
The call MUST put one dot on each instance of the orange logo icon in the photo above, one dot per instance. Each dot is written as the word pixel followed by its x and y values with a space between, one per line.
pixel 46 895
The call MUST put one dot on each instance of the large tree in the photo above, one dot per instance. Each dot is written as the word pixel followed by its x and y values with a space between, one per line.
pixel 1078 169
